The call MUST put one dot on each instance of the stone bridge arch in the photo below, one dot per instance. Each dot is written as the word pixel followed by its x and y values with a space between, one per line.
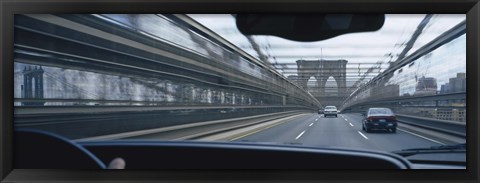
pixel 322 70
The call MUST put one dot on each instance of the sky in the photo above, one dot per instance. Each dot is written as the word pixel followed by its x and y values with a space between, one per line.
pixel 361 50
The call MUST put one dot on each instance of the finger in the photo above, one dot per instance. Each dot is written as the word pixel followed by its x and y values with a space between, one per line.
pixel 117 163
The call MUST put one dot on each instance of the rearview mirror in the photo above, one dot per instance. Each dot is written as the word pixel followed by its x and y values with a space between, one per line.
pixel 307 27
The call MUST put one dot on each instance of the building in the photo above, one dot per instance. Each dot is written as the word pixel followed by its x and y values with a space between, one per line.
pixel 457 84
pixel 444 88
pixel 426 86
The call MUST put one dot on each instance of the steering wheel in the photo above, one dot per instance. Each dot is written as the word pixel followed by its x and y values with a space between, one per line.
pixel 36 149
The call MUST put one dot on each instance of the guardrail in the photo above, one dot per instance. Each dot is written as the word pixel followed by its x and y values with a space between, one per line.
pixel 405 100
pixel 76 122
pixel 54 110
pixel 448 127
pixel 195 130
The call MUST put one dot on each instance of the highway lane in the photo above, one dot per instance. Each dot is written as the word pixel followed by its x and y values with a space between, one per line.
pixel 343 131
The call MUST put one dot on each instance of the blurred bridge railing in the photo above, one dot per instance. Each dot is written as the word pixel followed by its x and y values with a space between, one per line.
pixel 102 74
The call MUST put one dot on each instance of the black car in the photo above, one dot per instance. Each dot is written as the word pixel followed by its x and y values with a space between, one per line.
pixel 379 118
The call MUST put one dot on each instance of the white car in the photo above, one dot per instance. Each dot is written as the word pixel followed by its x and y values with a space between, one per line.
pixel 330 111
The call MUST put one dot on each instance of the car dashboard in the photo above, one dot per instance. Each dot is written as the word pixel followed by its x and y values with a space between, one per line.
pixel 42 150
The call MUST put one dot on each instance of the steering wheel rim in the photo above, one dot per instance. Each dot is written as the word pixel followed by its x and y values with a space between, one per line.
pixel 37 149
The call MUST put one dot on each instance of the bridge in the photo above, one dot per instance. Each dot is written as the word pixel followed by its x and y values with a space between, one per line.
pixel 103 77
pixel 321 70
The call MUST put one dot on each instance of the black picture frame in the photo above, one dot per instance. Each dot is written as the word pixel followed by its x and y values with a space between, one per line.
pixel 11 7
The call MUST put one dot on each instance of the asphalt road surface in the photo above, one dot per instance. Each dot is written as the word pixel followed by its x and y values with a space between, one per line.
pixel 343 131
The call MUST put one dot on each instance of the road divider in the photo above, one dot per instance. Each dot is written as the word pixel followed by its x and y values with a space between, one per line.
pixel 299 135
pixel 362 135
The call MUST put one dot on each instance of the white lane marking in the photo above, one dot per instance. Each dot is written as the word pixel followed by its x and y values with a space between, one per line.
pixel 350 124
pixel 362 135
pixel 316 119
pixel 299 135
pixel 310 124
pixel 421 136
pixel 346 119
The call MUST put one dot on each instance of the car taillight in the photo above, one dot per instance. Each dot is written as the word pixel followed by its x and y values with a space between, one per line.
pixel 370 119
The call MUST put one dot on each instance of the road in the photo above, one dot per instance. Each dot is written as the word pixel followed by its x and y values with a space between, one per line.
pixel 343 131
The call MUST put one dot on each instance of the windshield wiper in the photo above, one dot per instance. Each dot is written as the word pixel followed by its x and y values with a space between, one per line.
pixel 432 149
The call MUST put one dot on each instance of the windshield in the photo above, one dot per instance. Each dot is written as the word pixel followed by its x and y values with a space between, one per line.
pixel 380 111
pixel 157 77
